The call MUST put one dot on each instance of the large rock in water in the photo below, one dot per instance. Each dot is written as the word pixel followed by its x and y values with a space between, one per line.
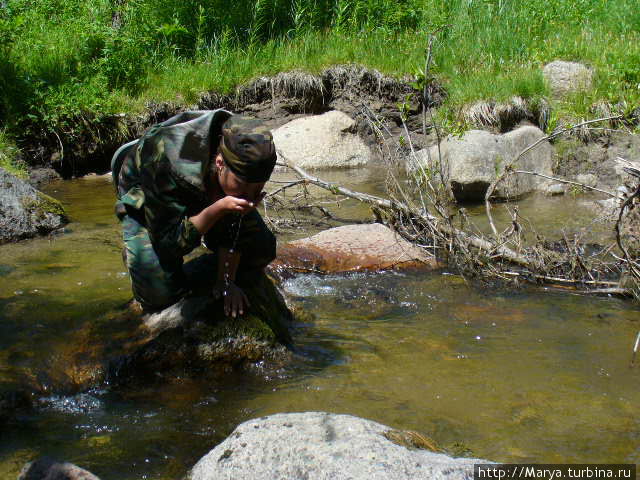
pixel 24 211
pixel 567 77
pixel 329 140
pixel 191 337
pixel 475 159
pixel 368 247
pixel 319 446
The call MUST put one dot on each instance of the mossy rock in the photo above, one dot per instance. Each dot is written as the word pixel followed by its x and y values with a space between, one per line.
pixel 189 338
pixel 25 211
pixel 195 335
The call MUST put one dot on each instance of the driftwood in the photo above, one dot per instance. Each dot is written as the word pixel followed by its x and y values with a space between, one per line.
pixel 423 216
pixel 421 208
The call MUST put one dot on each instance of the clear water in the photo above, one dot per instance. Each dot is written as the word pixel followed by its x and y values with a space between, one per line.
pixel 530 375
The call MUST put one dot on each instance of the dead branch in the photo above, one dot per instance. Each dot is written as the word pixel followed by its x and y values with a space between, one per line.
pixel 422 228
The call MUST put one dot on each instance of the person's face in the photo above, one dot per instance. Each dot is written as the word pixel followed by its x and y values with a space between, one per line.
pixel 233 186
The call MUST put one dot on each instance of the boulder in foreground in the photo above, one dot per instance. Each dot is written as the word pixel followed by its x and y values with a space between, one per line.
pixel 319 445
pixel 329 140
pixel 475 159
pixel 368 247
pixel 24 211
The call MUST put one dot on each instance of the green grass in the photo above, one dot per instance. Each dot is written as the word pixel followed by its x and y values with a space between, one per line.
pixel 65 59
pixel 10 157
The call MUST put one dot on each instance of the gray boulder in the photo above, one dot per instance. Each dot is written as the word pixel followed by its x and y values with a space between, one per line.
pixel 319 446
pixel 567 77
pixel 329 140
pixel 474 160
pixel 588 179
pixel 555 189
pixel 48 469
pixel 24 211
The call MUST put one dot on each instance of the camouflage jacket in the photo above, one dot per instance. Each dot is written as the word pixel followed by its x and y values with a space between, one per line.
pixel 160 178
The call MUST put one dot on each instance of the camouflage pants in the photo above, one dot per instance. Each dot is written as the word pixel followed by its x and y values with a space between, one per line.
pixel 157 284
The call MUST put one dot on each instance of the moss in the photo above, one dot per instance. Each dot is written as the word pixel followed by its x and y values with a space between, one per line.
pixel 248 325
pixel 50 204
pixel 411 440
pixel 43 204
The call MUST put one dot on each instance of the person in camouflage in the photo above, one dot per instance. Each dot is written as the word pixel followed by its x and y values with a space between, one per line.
pixel 195 178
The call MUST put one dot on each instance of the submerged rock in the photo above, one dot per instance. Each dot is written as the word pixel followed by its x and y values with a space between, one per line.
pixel 48 469
pixel 323 445
pixel 188 338
pixel 474 160
pixel 369 247
pixel 567 77
pixel 24 211
pixel 194 334
pixel 329 140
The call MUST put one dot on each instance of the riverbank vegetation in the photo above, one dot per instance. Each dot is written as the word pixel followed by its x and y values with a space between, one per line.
pixel 67 61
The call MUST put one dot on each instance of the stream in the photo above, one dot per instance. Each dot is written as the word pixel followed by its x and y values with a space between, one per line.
pixel 529 375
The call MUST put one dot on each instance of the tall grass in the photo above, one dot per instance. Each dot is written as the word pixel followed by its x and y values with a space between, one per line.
pixel 64 58
pixel 10 159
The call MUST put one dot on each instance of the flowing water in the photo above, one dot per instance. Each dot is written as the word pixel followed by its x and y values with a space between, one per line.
pixel 530 375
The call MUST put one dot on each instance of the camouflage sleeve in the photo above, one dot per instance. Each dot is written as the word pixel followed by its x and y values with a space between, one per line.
pixel 172 233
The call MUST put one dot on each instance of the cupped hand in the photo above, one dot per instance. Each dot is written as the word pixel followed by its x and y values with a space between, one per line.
pixel 236 205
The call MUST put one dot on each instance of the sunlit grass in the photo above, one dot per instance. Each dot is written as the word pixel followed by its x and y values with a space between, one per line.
pixel 10 156
pixel 64 57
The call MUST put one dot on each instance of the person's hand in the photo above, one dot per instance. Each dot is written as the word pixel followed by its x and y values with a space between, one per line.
pixel 235 300
pixel 231 204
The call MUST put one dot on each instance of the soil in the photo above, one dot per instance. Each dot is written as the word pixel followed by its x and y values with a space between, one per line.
pixel 359 92
pixel 88 146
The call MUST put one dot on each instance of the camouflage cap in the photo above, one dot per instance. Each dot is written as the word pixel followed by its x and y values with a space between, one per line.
pixel 248 149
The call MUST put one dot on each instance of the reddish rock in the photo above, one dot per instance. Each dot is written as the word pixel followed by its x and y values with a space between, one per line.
pixel 369 247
